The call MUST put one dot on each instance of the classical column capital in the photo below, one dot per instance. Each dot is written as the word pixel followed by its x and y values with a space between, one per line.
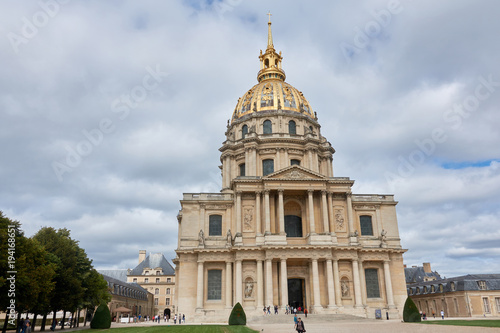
pixel 266 191
pixel 280 191
pixel 258 193
pixel 238 192
pixel 324 192
pixel 310 191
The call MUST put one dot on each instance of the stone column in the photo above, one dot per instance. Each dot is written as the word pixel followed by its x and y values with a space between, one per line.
pixel 281 211
pixel 284 284
pixel 260 285
pixel 329 279
pixel 269 283
pixel 199 287
pixel 357 286
pixel 229 290
pixel 267 212
pixel 247 162
pixel 349 213
pixel 336 281
pixel 257 213
pixel 254 162
pixel 238 213
pixel 224 172
pixel 324 207
pixel 331 215
pixel 388 284
pixel 278 159
pixel 362 281
pixel 316 291
pixel 287 161
pixel 312 225
pixel 310 158
pixel 238 282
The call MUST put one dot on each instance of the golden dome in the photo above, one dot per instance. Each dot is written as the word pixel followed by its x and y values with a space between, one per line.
pixel 272 93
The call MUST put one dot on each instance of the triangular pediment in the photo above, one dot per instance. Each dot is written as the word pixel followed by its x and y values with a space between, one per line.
pixel 295 172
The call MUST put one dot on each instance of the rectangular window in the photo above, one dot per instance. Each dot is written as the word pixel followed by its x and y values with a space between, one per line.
pixel 167 301
pixel 169 280
pixel 242 169
pixel 215 225
pixel 481 285
pixel 156 301
pixel 372 287
pixel 456 305
pixel 214 287
pixel 267 167
pixel 486 304
pixel 157 280
pixel 146 280
pixel 135 280
pixel 497 302
pixel 365 223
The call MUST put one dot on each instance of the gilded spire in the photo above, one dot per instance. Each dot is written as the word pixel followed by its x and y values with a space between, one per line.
pixel 270 61
pixel 269 33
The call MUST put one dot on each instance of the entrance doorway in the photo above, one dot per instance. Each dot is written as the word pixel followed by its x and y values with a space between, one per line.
pixel 296 293
pixel 167 313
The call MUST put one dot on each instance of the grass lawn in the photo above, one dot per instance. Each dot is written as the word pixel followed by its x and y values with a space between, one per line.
pixel 182 328
pixel 482 323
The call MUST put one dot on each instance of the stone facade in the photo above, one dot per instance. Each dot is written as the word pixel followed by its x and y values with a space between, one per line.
pixel 284 230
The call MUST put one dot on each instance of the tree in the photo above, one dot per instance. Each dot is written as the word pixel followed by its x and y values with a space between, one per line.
pixel 238 316
pixel 410 312
pixel 102 317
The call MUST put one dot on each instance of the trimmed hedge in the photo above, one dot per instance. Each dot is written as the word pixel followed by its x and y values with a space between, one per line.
pixel 238 316
pixel 410 312
pixel 102 317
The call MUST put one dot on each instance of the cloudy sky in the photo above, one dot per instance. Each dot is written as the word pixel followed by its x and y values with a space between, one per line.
pixel 110 110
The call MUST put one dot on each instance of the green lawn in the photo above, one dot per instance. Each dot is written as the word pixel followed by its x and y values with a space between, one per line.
pixel 181 328
pixel 482 323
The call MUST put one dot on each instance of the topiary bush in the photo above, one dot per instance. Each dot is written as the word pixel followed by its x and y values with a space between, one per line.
pixel 410 312
pixel 238 316
pixel 102 317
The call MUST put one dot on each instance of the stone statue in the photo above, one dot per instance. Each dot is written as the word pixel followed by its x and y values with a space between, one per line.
pixel 339 218
pixel 229 237
pixel 201 238
pixel 248 289
pixel 279 104
pixel 383 236
pixel 344 286
pixel 356 233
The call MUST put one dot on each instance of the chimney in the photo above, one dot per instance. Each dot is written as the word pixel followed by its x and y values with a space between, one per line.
pixel 142 255
pixel 404 265
pixel 427 267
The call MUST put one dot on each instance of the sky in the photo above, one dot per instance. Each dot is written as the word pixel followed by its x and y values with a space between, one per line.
pixel 110 110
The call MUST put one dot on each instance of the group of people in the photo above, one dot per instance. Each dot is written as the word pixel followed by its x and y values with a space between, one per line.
pixel 423 315
pixel 288 310
pixel 166 318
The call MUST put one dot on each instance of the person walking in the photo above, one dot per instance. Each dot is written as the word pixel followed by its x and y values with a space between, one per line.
pixel 299 327
pixel 295 321
pixel 442 314
pixel 306 312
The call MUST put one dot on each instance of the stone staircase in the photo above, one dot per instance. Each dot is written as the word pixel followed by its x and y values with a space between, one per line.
pixel 311 318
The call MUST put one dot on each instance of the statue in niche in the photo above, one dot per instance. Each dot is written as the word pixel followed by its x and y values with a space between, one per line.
pixel 344 286
pixel 279 104
pixel 201 238
pixel 383 238
pixel 248 289
pixel 254 107
pixel 229 238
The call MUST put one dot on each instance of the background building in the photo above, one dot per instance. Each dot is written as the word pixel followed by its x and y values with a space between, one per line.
pixel 155 274
pixel 462 296
pixel 285 231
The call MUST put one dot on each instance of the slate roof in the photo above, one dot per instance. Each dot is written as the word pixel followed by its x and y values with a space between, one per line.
pixel 417 275
pixel 153 261
pixel 133 286
pixel 467 282
pixel 118 274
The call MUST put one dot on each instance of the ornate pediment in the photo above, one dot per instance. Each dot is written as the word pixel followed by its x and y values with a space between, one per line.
pixel 295 172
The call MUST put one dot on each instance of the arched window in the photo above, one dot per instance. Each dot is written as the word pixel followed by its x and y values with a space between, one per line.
pixel 292 127
pixel 372 287
pixel 267 167
pixel 215 225
pixel 295 162
pixel 266 63
pixel 244 131
pixel 157 291
pixel 168 291
pixel 365 223
pixel 242 169
pixel 146 280
pixel 268 127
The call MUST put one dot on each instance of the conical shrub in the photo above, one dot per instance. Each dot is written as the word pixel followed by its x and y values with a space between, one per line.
pixel 410 312
pixel 238 316
pixel 102 317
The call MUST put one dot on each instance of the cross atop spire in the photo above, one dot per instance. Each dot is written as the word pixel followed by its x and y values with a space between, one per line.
pixel 269 34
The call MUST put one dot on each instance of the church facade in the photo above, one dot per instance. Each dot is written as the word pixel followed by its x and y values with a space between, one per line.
pixel 284 230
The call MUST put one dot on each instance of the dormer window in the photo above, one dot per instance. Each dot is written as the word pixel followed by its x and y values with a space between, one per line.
pixel 481 285
pixel 146 272
pixel 452 286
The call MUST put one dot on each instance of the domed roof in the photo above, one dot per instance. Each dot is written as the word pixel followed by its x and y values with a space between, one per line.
pixel 272 93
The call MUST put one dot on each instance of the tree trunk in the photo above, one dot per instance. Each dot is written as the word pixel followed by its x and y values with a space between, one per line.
pixel 54 319
pixel 44 321
pixel 78 318
pixel 33 323
pixel 63 319
pixel 18 321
